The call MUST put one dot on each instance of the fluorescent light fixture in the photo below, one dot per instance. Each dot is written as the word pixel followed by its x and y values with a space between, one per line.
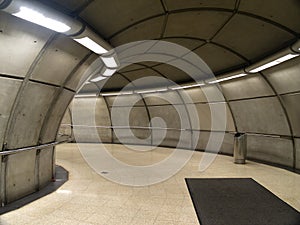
pixel 38 18
pixel 110 61
pixel 274 63
pixel 85 95
pixel 90 44
pixel 96 79
pixel 145 92
pixel 227 78
pixel 152 91
pixel 188 86
pixel 109 72
pixel 110 94
pixel 161 90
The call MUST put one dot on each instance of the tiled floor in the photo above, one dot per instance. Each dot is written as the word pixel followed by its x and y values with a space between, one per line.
pixel 88 198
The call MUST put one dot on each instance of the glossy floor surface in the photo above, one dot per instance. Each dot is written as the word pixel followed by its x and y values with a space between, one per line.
pixel 88 198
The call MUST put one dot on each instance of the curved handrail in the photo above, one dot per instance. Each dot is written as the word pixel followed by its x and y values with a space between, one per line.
pixel 26 149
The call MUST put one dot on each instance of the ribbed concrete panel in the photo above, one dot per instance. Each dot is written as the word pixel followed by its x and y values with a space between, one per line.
pixel 173 73
pixel 125 100
pixel 138 79
pixel 243 32
pixel 285 77
pixel 139 32
pixel 30 114
pixel 218 58
pixel 204 113
pixel 288 15
pixel 162 98
pixel 172 138
pixel 297 142
pixel 65 128
pixel 20 179
pixel 105 135
pixel 203 138
pixel 45 166
pixel 190 44
pixel 274 150
pixel 8 92
pixel 106 20
pixel 116 82
pixel 204 23
pixel 246 87
pixel 264 115
pixel 169 117
pixel 59 60
pixel 178 4
pixel 85 134
pixel 102 113
pixel 193 95
pixel 291 103
pixel 131 67
pixel 81 74
pixel 137 116
pixel 90 88
pixel 54 120
pixel 23 41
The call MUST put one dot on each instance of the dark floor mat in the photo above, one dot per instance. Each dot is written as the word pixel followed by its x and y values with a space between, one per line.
pixel 238 202
pixel 61 176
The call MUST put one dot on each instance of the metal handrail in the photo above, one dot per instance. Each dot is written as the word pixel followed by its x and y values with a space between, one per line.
pixel 26 149
pixel 127 127
pixel 177 129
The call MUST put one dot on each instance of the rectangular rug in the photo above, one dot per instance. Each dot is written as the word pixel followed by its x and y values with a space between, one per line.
pixel 238 201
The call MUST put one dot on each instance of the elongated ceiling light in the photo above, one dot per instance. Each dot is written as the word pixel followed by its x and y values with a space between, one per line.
pixel 85 95
pixel 90 44
pixel 274 63
pixel 38 18
pixel 188 86
pixel 227 78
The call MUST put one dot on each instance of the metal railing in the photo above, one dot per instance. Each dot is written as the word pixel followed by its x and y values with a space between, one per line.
pixel 31 148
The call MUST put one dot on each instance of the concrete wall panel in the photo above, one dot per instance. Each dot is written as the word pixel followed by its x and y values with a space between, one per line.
pixel 274 150
pixel 58 109
pixel 203 138
pixel 162 98
pixel 8 92
pixel 297 143
pixel 45 166
pixel 59 60
pixel 172 138
pixel 264 115
pixel 291 103
pixel 285 77
pixel 28 121
pixel 247 87
pixel 204 114
pixel 126 100
pixel 81 74
pixel 170 116
pixel 20 180
pixel 23 41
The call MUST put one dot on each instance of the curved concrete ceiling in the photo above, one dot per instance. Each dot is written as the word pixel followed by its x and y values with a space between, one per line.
pixel 226 34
